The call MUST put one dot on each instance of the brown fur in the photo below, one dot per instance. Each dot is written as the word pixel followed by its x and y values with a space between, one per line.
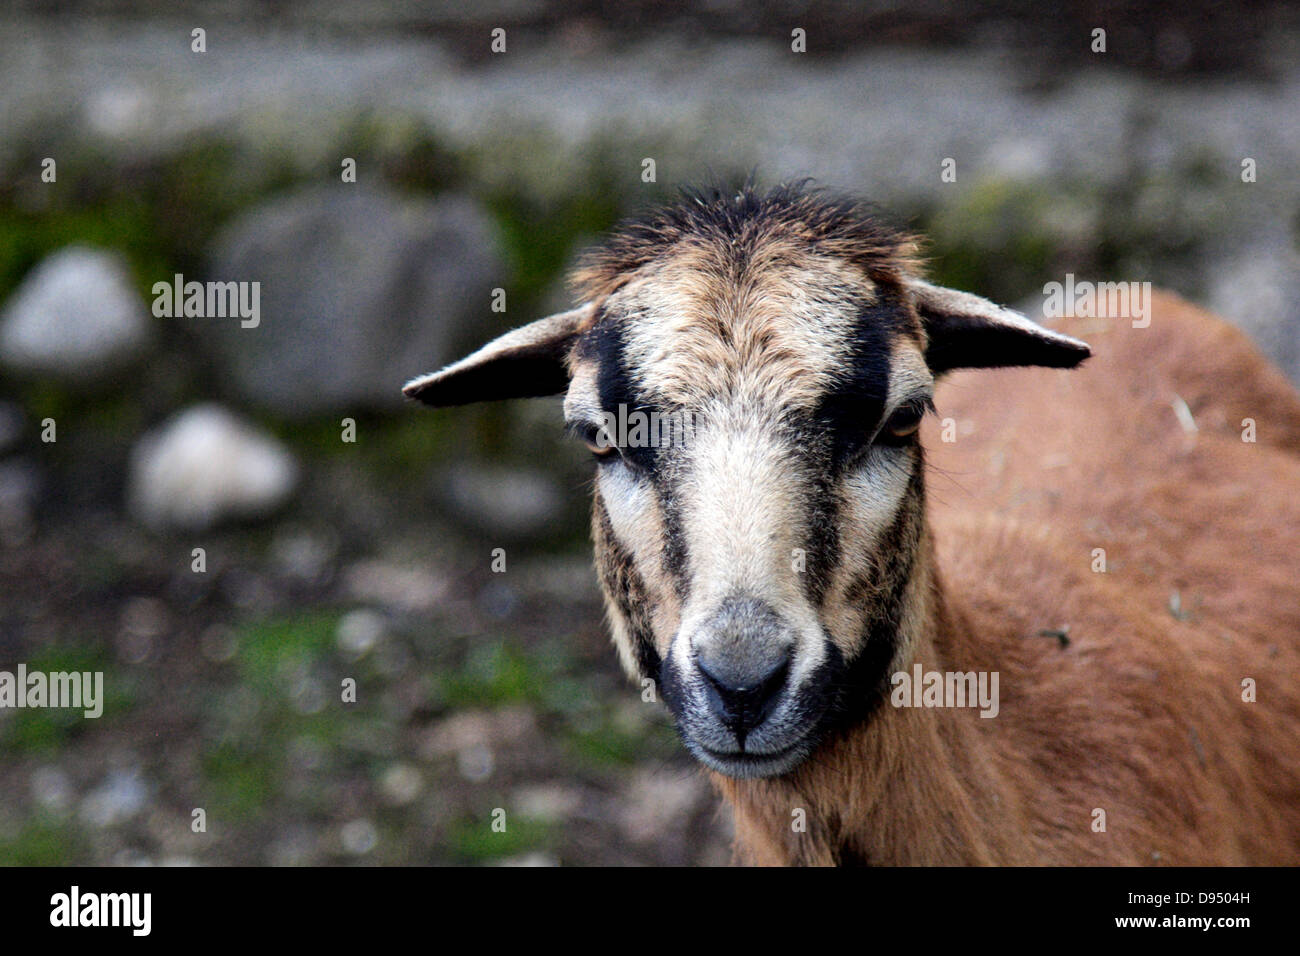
pixel 1142 713
pixel 773 224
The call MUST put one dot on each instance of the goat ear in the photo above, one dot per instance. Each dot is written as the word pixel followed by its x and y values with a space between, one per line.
pixel 966 331
pixel 524 363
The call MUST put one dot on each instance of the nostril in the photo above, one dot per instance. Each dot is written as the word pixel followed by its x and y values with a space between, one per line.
pixel 744 699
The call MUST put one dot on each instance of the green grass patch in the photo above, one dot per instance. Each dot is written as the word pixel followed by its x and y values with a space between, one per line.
pixel 474 841
pixel 44 842
pixel 269 648
pixel 604 744
pixel 122 222
pixel 607 746
pixel 995 239
pixel 239 782
pixel 390 447
pixel 43 730
pixel 495 674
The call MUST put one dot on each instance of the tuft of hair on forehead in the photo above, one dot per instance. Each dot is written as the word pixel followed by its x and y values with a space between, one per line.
pixel 739 222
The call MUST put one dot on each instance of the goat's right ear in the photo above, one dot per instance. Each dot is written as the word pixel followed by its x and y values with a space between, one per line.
pixel 524 363
pixel 966 331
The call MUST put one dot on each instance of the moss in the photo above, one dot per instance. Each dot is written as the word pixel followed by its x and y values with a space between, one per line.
pixel 1005 238
pixel 391 448
pixel 401 151
pixel 44 730
pixel 159 213
pixel 998 239
pixel 123 222
pixel 45 399
pixel 44 841
pixel 606 743
pixel 495 674
pixel 474 841
pixel 606 746
pixel 267 648
pixel 238 782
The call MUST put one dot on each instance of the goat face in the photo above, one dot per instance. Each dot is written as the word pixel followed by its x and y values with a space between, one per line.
pixel 750 373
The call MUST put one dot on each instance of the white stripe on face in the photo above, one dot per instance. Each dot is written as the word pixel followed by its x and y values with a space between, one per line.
pixel 636 522
pixel 741 494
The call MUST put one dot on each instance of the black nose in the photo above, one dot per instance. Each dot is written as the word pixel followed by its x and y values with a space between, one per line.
pixel 743 699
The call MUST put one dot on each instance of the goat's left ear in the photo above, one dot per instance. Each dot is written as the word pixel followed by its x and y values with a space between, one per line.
pixel 966 331
pixel 524 363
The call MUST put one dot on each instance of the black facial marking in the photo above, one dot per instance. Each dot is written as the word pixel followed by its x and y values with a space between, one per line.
pixel 619 393
pixel 672 688
pixel 857 687
pixel 822 550
pixel 852 409
pixel 674 553
pixel 604 343
pixel 840 427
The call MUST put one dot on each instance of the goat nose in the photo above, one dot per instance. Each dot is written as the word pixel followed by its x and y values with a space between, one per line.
pixel 743 700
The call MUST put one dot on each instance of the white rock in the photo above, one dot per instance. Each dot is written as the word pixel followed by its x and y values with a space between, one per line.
pixel 359 837
pixel 358 631
pixel 52 789
pixel 401 783
pixel 120 797
pixel 530 859
pixel 76 315
pixel 204 466
pixel 547 803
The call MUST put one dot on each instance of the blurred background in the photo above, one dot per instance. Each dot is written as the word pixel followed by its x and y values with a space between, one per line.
pixel 230 522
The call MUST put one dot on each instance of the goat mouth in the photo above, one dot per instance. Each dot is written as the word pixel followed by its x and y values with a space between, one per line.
pixel 748 763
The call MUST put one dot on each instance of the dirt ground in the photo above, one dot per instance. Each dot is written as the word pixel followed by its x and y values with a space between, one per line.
pixel 476 693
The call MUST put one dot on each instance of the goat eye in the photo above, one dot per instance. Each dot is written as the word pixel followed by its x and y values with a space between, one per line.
pixel 602 452
pixel 902 424
pixel 596 440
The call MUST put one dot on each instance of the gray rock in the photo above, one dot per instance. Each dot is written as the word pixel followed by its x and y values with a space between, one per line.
pixel 76 316
pixel 1260 291
pixel 205 466
pixel 19 487
pixel 360 290
pixel 510 502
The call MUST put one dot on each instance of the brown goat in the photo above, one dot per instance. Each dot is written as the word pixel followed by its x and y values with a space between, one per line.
pixel 1105 541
